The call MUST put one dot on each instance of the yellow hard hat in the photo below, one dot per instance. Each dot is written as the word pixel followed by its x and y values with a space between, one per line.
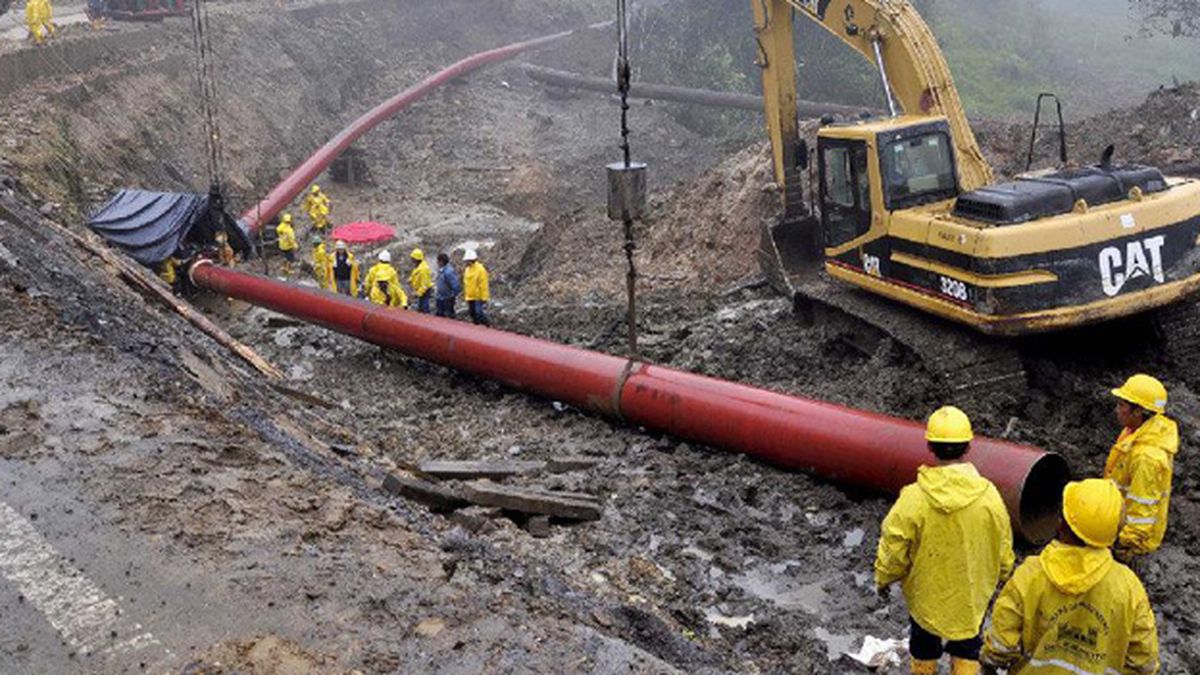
pixel 316 188
pixel 1092 508
pixel 1143 391
pixel 417 254
pixel 287 217
pixel 948 425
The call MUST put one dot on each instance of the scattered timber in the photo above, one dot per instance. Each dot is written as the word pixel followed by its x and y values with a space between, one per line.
pixel 479 469
pixel 439 498
pixel 525 500
pixel 144 281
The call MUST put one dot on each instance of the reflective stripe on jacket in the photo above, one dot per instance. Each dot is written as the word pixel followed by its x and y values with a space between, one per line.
pixel 1141 463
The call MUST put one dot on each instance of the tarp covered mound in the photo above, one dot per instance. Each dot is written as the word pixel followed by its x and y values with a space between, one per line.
pixel 152 226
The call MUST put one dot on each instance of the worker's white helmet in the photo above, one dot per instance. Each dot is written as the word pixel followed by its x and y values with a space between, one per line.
pixel 384 256
pixel 340 245
pixel 469 255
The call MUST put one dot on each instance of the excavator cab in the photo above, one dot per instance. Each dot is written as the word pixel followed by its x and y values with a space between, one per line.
pixel 908 209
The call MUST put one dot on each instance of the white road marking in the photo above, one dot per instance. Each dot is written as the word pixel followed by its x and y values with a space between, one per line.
pixel 86 618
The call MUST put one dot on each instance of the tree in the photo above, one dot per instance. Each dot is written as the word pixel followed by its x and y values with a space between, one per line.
pixel 1178 18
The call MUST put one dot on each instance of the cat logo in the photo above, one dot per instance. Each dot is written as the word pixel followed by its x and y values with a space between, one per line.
pixel 1138 259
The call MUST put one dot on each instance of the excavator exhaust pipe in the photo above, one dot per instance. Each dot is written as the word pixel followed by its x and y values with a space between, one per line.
pixel 838 443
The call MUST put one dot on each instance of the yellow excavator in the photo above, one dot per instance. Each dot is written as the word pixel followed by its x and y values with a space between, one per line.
pixel 909 209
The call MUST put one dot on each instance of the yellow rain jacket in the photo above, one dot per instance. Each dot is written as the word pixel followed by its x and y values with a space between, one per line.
pixel 1072 609
pixel 331 280
pixel 287 237
pixel 395 296
pixel 420 279
pixel 320 265
pixel 166 270
pixel 949 541
pixel 475 282
pixel 317 208
pixel 1141 463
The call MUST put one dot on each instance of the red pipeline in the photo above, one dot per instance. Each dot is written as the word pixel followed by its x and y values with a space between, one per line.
pixel 841 444
pixel 298 180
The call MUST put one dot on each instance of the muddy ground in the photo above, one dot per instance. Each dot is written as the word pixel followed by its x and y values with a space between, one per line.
pixel 245 527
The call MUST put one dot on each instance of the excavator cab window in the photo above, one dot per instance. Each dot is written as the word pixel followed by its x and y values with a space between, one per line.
pixel 918 170
pixel 845 188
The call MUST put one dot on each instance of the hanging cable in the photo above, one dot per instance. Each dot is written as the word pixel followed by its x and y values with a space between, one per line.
pixel 626 179
pixel 201 40
pixel 623 74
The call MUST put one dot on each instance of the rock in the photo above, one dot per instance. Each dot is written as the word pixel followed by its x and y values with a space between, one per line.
pixel 602 618
pixel 430 627
pixel 46 209
pixel 538 527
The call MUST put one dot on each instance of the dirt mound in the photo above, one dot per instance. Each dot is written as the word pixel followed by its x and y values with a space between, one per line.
pixel 1163 131
pixel 700 235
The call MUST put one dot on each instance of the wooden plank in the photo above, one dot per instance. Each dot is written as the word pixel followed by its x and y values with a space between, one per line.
pixel 439 498
pixel 486 493
pixel 571 463
pixel 581 496
pixel 142 279
pixel 479 469
pixel 301 395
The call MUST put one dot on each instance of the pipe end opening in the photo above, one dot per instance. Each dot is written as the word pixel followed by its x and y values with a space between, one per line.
pixel 1041 498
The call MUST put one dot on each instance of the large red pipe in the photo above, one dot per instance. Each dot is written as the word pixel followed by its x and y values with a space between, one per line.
pixel 842 444
pixel 294 184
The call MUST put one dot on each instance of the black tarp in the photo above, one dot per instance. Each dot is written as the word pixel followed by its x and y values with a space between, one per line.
pixel 151 226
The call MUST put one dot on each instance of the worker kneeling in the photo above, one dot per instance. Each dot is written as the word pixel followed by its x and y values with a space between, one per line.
pixel 948 541
pixel 383 283
pixel 1073 608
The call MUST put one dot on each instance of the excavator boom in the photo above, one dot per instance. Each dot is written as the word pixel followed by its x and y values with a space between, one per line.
pixel 912 62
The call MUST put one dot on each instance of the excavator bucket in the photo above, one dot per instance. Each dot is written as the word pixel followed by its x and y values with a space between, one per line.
pixel 789 252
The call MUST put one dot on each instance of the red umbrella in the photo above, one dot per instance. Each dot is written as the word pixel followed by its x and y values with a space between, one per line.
pixel 364 232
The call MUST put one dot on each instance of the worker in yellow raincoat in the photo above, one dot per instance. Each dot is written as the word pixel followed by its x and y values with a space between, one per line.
pixel 421 280
pixel 475 288
pixel 168 271
pixel 39 18
pixel 341 271
pixel 382 285
pixel 287 242
pixel 1141 463
pixel 320 260
pixel 225 253
pixel 1073 609
pixel 316 205
pixel 948 577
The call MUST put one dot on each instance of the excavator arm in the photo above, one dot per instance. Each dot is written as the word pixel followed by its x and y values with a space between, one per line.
pixel 915 68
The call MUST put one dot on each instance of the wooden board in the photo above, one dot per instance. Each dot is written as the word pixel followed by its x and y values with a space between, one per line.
pixel 486 493
pixel 479 469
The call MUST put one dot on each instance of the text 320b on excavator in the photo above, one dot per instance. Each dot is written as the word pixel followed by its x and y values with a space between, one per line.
pixel 909 210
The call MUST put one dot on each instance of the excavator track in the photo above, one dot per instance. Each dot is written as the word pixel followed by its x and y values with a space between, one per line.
pixel 1178 328
pixel 967 364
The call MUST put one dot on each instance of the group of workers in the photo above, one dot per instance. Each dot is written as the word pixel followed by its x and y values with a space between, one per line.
pixel 338 271
pixel 39 18
pixel 1076 608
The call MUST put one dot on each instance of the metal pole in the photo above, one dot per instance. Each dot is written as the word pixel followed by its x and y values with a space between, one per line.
pixel 887 86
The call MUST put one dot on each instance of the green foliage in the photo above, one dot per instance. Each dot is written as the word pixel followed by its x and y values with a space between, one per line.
pixel 1002 54
pixel 1177 18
